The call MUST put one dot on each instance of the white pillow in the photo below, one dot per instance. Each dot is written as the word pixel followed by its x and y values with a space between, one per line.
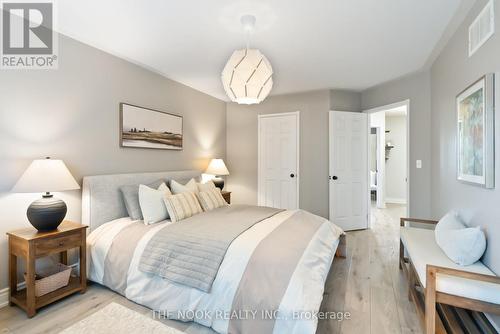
pixel 178 188
pixel 463 245
pixel 208 186
pixel 151 201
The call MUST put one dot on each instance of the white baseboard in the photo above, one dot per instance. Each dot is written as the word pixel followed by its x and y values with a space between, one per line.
pixel 4 297
pixel 4 294
pixel 394 200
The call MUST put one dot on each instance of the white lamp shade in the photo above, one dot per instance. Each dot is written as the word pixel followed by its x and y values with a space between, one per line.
pixel 217 167
pixel 46 175
pixel 247 77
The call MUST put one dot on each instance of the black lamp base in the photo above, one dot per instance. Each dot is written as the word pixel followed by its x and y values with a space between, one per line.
pixel 46 213
pixel 219 182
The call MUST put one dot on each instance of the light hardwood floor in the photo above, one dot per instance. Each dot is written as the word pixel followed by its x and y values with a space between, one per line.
pixel 368 284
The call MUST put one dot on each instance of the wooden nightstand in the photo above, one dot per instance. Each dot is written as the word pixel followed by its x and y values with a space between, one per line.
pixel 30 244
pixel 227 196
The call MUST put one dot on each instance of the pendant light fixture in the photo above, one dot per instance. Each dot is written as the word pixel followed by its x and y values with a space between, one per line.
pixel 248 76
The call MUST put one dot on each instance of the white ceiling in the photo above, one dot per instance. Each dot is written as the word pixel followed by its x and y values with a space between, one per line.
pixel 312 44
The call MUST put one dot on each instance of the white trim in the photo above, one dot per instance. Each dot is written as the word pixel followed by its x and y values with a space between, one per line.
pixel 394 200
pixel 369 200
pixel 408 162
pixel 369 195
pixel 297 173
pixel 380 164
pixel 4 294
pixel 4 297
pixel 388 106
pixel 290 113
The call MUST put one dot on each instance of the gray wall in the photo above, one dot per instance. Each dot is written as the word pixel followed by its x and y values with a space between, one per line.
pixel 416 88
pixel 72 114
pixel 452 72
pixel 344 100
pixel 242 147
pixel 242 144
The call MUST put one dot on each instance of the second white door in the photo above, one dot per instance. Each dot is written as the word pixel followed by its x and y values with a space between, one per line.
pixel 348 177
pixel 278 160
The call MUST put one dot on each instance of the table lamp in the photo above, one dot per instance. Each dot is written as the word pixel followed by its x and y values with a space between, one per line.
pixel 46 175
pixel 217 167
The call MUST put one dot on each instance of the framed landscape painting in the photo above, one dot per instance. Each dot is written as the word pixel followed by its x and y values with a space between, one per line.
pixel 475 133
pixel 148 128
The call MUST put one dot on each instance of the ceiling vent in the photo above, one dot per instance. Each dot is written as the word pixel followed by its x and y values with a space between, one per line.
pixel 482 28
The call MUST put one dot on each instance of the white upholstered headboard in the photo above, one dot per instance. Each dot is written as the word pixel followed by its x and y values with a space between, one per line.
pixel 102 200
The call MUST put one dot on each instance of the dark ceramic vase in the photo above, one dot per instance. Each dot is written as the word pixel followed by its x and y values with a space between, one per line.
pixel 219 182
pixel 46 213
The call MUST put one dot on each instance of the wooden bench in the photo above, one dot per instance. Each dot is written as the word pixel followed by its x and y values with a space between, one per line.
pixel 445 286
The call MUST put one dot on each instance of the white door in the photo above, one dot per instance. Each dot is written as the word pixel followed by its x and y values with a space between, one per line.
pixel 278 165
pixel 348 172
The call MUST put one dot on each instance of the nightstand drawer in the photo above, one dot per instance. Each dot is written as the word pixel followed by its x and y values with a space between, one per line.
pixel 56 245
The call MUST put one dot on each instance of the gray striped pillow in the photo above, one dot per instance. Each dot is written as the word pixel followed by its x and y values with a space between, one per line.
pixel 211 199
pixel 182 206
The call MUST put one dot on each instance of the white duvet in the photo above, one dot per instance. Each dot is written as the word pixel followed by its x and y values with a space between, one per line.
pixel 304 291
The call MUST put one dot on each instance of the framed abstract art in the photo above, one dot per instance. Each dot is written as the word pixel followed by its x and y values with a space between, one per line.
pixel 475 133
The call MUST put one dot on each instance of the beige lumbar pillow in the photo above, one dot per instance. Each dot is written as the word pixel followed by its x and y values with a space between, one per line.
pixel 151 202
pixel 178 188
pixel 182 206
pixel 211 199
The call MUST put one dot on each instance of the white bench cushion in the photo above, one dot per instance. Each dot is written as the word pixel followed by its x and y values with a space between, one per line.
pixel 422 249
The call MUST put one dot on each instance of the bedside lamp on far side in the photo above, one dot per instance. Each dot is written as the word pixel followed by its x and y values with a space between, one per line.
pixel 217 167
pixel 46 175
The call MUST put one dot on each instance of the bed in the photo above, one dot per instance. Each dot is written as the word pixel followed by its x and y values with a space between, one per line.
pixel 266 282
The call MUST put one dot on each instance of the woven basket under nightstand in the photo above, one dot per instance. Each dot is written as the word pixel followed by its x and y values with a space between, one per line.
pixel 52 279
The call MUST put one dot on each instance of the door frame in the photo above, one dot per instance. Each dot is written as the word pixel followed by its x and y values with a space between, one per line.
pixel 408 110
pixel 367 195
pixel 379 165
pixel 297 172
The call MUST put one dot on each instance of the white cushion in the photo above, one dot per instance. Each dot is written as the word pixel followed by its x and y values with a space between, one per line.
pixel 423 249
pixel 463 245
pixel 178 188
pixel 152 205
